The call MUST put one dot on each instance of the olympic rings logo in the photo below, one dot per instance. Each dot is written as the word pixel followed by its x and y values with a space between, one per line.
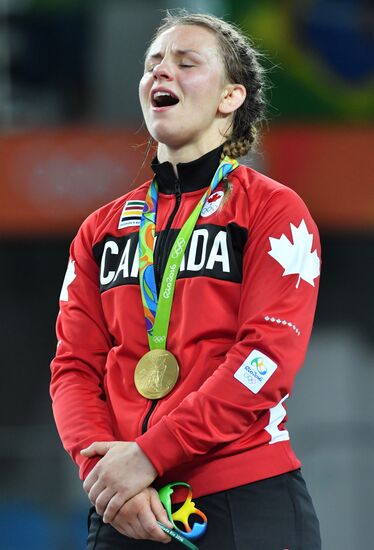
pixel 159 339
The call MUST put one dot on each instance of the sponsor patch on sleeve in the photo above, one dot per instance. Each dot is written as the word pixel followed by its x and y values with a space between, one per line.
pixel 255 371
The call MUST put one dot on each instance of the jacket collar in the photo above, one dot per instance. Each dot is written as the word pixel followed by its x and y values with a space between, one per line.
pixel 192 176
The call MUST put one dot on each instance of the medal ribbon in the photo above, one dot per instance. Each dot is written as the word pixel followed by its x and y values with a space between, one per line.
pixel 157 309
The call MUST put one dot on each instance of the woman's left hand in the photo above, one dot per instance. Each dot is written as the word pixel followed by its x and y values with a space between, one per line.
pixel 122 473
pixel 138 517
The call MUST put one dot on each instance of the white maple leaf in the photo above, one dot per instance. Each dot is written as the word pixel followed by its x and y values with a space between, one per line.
pixel 297 258
pixel 69 278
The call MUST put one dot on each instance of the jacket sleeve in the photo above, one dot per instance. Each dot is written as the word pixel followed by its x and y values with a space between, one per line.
pixel 281 266
pixel 79 406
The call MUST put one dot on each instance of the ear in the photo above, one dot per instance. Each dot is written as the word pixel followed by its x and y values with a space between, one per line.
pixel 232 98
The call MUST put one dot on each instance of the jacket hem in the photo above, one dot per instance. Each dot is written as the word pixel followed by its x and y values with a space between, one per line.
pixel 228 472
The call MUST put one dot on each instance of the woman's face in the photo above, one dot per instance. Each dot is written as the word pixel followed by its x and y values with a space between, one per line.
pixel 182 88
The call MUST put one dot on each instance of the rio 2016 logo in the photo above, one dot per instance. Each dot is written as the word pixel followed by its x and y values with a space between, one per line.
pixel 258 363
pixel 182 515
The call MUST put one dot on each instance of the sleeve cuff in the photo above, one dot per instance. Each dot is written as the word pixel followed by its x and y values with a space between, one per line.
pixel 162 448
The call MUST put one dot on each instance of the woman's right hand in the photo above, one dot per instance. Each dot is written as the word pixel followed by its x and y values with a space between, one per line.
pixel 138 517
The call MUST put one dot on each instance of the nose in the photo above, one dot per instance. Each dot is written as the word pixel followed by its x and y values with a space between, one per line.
pixel 162 71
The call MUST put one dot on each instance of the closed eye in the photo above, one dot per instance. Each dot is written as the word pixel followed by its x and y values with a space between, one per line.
pixel 150 68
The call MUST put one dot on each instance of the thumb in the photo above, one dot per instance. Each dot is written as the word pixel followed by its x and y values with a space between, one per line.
pixel 159 511
pixel 97 448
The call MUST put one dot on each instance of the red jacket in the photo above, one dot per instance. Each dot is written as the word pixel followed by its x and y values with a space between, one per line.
pixel 241 319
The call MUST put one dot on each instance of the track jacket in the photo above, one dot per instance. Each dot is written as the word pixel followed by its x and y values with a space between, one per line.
pixel 241 320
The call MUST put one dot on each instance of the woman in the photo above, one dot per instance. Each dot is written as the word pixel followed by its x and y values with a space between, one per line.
pixel 176 355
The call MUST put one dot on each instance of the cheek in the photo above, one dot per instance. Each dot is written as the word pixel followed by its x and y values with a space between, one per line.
pixel 144 88
pixel 205 89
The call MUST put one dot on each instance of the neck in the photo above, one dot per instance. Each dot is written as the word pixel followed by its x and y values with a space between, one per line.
pixel 184 154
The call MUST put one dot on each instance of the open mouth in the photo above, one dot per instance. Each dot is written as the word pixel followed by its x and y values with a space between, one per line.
pixel 164 99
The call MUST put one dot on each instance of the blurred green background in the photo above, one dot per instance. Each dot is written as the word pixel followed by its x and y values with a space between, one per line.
pixel 72 138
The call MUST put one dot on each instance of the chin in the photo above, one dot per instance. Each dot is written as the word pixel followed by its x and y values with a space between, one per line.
pixel 171 137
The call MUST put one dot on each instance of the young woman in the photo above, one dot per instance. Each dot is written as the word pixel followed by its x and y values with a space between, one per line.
pixel 185 315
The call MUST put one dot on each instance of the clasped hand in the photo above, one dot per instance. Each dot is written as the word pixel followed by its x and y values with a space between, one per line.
pixel 118 487
pixel 122 473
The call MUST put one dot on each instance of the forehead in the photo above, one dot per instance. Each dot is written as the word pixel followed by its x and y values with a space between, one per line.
pixel 186 37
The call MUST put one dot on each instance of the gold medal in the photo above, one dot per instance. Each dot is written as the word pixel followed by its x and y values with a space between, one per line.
pixel 156 374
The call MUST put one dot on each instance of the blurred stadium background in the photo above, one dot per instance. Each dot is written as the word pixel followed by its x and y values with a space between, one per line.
pixel 71 139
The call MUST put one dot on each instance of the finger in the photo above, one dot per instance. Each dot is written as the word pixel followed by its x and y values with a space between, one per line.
pixel 96 489
pixel 138 530
pixel 97 448
pixel 127 522
pixel 90 480
pixel 113 507
pixel 124 528
pixel 102 501
pixel 159 511
pixel 150 526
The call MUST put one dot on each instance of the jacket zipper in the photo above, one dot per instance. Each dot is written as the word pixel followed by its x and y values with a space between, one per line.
pixel 164 235
pixel 158 265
